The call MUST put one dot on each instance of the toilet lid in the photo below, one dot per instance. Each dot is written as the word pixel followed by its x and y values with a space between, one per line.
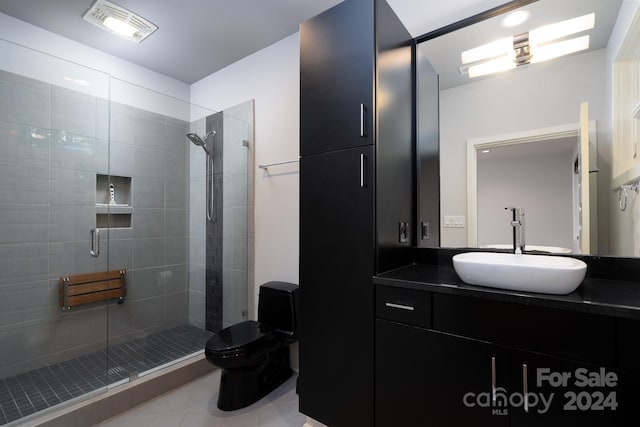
pixel 240 336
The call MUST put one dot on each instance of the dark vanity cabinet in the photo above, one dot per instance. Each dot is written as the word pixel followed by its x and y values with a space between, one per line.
pixel 336 266
pixel 337 63
pixel 469 361
pixel 355 191
pixel 422 376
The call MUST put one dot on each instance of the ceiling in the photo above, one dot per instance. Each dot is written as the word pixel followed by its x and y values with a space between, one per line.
pixel 199 37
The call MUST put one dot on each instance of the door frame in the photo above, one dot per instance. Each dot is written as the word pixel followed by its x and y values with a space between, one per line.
pixel 529 136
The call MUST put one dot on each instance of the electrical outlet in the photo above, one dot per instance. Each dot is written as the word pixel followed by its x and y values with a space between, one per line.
pixel 403 232
pixel 425 231
pixel 454 222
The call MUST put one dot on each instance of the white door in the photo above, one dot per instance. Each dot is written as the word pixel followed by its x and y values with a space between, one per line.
pixel 585 231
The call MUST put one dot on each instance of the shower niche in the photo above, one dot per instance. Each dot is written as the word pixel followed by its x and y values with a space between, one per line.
pixel 113 201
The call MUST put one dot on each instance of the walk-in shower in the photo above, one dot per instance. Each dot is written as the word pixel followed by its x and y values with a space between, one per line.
pixel 180 276
pixel 202 142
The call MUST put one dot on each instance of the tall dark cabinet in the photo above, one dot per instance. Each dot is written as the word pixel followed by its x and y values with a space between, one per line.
pixel 356 192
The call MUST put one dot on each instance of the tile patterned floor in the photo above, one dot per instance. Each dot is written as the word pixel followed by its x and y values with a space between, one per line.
pixel 195 404
pixel 33 391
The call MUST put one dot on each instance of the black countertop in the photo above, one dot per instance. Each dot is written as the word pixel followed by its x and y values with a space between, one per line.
pixel 594 295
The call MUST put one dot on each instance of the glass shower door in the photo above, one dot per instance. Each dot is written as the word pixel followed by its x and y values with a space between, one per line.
pixel 54 137
pixel 237 200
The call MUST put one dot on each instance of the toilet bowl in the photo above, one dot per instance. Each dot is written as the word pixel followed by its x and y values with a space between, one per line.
pixel 254 355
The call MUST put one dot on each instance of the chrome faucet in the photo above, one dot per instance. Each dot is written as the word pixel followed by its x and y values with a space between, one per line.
pixel 517 222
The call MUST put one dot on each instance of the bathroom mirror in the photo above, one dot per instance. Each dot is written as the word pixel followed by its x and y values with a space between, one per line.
pixel 536 135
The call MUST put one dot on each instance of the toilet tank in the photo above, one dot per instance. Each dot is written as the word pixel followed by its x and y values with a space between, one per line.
pixel 277 306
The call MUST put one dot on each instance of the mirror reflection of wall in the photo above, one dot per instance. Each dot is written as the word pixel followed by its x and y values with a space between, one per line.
pixel 523 99
pixel 537 175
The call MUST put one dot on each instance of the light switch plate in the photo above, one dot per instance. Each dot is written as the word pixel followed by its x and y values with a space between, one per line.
pixel 454 222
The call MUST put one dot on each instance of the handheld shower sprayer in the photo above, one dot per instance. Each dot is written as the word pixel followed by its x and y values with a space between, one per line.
pixel 201 142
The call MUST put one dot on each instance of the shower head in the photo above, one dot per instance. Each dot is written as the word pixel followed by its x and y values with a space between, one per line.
pixel 200 141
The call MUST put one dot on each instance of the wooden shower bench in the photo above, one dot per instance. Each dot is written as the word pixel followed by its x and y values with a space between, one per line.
pixel 92 287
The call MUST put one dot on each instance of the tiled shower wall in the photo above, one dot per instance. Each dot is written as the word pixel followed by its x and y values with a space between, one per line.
pixel 214 280
pixel 53 142
pixel 197 230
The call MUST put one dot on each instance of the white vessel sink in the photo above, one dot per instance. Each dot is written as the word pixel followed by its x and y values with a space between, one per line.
pixel 529 273
pixel 549 249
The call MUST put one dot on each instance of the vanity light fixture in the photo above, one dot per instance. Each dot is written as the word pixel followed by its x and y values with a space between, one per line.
pixel 527 48
pixel 562 29
pixel 565 47
pixel 119 21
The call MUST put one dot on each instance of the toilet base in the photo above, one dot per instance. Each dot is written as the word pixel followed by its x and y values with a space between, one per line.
pixel 241 387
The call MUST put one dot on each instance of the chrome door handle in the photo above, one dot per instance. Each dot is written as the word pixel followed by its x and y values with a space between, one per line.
pixel 525 387
pixel 362 121
pixel 362 170
pixel 94 251
pixel 493 379
pixel 399 306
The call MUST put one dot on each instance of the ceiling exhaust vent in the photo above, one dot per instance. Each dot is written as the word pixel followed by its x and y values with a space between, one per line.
pixel 119 21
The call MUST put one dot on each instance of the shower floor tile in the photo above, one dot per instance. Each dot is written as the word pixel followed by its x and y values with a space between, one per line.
pixel 36 390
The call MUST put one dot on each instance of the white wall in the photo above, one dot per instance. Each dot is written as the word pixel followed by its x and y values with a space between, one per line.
pixel 523 99
pixel 271 78
pixel 530 182
pixel 161 94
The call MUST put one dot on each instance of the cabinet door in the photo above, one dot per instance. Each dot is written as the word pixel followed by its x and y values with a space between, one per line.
pixel 628 396
pixel 337 79
pixel 560 392
pixel 336 293
pixel 429 378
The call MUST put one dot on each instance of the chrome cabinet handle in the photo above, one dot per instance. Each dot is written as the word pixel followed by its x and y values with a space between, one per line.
pixel 525 387
pixel 362 170
pixel 399 306
pixel 362 121
pixel 493 379
pixel 94 250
